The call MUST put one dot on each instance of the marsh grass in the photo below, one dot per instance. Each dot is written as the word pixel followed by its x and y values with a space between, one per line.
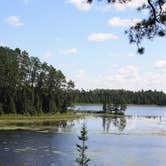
pixel 35 122
pixel 43 122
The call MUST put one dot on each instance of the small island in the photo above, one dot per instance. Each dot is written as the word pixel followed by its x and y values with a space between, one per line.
pixel 117 107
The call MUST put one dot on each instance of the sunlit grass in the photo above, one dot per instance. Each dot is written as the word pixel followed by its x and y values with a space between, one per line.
pixel 14 122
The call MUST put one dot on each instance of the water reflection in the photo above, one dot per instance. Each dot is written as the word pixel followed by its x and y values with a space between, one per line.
pixel 59 126
pixel 47 126
pixel 118 122
pixel 131 110
pixel 56 146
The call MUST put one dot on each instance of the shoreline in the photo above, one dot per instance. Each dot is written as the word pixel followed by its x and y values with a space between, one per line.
pixel 136 105
pixel 34 122
pixel 44 122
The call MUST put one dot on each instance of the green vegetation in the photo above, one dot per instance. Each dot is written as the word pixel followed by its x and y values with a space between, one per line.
pixel 112 96
pixel 28 86
pixel 35 122
pixel 82 160
pixel 118 106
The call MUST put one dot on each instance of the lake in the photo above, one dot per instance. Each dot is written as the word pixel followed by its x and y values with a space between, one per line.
pixel 131 110
pixel 139 138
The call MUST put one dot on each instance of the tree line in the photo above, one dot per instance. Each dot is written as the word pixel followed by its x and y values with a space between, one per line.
pixel 28 86
pixel 111 96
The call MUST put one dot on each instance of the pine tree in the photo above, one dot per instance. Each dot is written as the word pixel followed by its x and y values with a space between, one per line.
pixel 52 106
pixel 12 107
pixel 28 86
pixel 38 105
pixel 82 160
pixel 1 109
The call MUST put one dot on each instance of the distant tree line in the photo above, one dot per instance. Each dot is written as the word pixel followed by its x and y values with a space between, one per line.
pixel 111 96
pixel 28 86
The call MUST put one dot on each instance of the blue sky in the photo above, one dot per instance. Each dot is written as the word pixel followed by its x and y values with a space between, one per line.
pixel 86 42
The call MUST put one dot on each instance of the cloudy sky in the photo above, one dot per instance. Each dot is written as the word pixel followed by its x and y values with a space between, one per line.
pixel 86 42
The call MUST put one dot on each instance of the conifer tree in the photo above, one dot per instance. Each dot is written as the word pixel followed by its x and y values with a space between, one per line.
pixel 1 109
pixel 38 104
pixel 83 160
pixel 52 106
pixel 11 107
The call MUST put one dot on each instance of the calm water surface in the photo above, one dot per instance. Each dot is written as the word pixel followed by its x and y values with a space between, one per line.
pixel 131 110
pixel 134 140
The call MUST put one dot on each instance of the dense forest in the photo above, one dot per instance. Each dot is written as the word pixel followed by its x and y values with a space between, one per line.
pixel 28 86
pixel 111 96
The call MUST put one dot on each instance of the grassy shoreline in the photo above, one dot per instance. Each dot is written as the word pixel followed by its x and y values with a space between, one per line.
pixel 44 122
pixel 34 122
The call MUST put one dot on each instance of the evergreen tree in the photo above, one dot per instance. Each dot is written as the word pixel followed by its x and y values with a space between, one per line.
pixel 52 106
pixel 82 160
pixel 119 96
pixel 11 106
pixel 38 105
pixel 31 84
pixel 1 109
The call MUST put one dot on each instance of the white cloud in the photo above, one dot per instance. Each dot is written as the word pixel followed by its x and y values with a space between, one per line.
pixel 121 6
pixel 160 64
pixel 128 71
pixel 84 6
pixel 80 4
pixel 126 77
pixel 100 37
pixel 164 7
pixel 133 4
pixel 118 22
pixel 81 79
pixel 14 21
pixel 71 51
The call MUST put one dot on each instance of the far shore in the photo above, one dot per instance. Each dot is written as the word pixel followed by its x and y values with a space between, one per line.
pixel 136 105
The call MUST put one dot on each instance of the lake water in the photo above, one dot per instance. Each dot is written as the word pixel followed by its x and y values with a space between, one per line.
pixel 131 110
pixel 134 140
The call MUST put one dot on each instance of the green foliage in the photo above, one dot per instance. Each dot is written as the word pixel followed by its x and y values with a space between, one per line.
pixel 38 105
pixel 82 160
pixel 52 106
pixel 120 96
pixel 28 86
pixel 11 106
pixel 1 109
